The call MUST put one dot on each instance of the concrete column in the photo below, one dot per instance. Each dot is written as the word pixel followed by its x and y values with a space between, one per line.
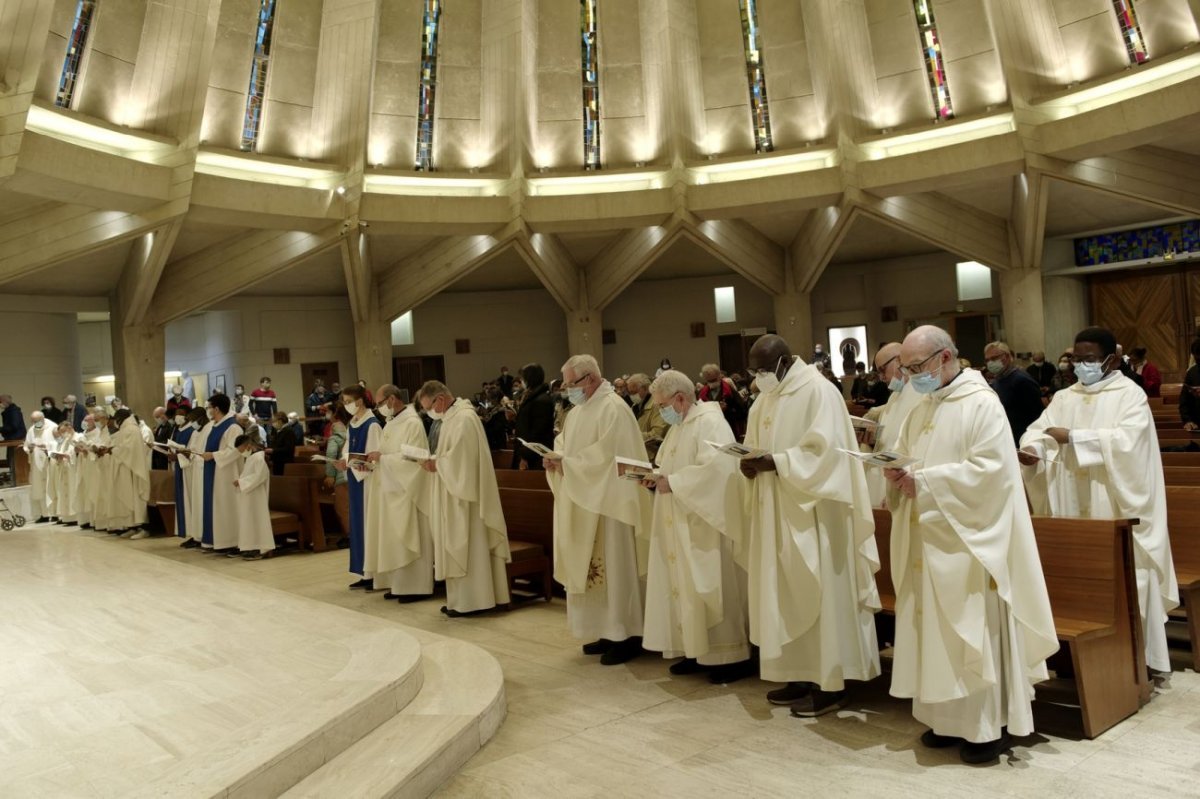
pixel 373 350
pixel 584 335
pixel 139 358
pixel 794 321
pixel 1065 300
pixel 1021 302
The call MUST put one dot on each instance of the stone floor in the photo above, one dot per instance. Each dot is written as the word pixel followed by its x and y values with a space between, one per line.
pixel 575 728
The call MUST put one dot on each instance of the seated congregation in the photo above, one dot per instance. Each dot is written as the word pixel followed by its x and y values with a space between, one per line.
pixel 741 528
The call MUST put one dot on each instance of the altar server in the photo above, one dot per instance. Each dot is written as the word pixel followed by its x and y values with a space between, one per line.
pixel 255 540
pixel 362 438
pixel 217 464
pixel 890 416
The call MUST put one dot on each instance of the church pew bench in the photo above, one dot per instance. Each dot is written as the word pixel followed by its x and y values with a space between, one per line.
pixel 1183 527
pixel 502 459
pixel 1181 459
pixel 1088 565
pixel 1170 393
pixel 315 472
pixel 529 517
pixel 294 511
pixel 532 479
pixel 161 502
pixel 18 462
pixel 1181 475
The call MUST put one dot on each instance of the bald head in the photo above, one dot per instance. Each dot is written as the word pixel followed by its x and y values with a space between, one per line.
pixel 887 361
pixel 37 416
pixel 767 352
pixel 929 349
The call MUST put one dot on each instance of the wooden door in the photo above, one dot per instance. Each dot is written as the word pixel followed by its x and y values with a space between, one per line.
pixel 409 373
pixel 732 350
pixel 1147 309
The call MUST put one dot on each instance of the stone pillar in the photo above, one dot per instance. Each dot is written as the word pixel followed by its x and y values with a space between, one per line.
pixel 793 321
pixel 1021 303
pixel 584 336
pixel 372 351
pixel 139 358
pixel 1066 302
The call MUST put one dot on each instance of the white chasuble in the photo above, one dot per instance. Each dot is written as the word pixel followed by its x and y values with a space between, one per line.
pixel 399 547
pixel 253 500
pixel 470 538
pixel 808 538
pixel 890 418
pixel 130 486
pixel 973 620
pixel 1111 469
pixel 601 522
pixel 695 592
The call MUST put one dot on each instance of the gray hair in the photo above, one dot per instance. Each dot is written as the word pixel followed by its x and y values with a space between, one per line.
pixel 432 389
pixel 640 380
pixel 710 367
pixel 999 345
pixel 672 382
pixel 582 365
pixel 386 392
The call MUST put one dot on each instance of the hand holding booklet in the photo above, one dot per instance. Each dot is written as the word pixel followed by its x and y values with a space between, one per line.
pixel 416 454
pixel 632 469
pixel 541 449
pixel 884 460
pixel 738 450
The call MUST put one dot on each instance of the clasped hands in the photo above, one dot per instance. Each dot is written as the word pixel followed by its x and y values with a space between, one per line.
pixel 902 481
pixel 752 467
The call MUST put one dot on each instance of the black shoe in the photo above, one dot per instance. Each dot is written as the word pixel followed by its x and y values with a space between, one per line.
pixel 977 754
pixel 459 614
pixel 41 520
pixel 369 585
pixel 790 694
pixel 86 527
pixel 390 595
pixel 233 553
pixel 404 599
pixel 189 543
pixel 597 647
pixel 71 524
pixel 818 703
pixel 622 651
pixel 687 666
pixel 732 672
pixel 360 584
pixel 931 740
pixel 255 554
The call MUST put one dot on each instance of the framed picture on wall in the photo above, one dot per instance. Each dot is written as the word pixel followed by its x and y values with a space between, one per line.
pixel 218 383
pixel 847 346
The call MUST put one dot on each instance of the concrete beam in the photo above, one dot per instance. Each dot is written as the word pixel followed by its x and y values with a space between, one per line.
pixel 143 269
pixel 232 266
pixel 817 241
pixel 1029 200
pixel 24 24
pixel 634 251
pixel 746 251
pixel 356 264
pixel 945 223
pixel 555 268
pixel 1168 179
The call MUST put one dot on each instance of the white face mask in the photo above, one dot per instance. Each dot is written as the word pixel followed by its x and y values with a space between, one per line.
pixel 385 410
pixel 209 412
pixel 768 381
pixel 246 454
pixel 351 408
pixel 434 415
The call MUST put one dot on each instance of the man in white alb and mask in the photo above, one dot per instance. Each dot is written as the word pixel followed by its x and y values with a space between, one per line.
pixel 39 441
pixel 86 468
pixel 601 522
pixel 470 538
pixel 890 416
pixel 808 541
pixel 1100 436
pixel 100 497
pixel 64 471
pixel 399 546
pixel 130 476
pixel 695 591
pixel 973 620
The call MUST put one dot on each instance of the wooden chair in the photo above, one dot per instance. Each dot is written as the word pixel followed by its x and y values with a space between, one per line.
pixel 1088 565
pixel 1183 526
pixel 529 516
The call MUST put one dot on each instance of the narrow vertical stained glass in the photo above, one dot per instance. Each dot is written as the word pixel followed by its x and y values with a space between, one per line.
pixel 591 85
pixel 935 66
pixel 256 95
pixel 428 89
pixel 760 112
pixel 1131 32
pixel 84 12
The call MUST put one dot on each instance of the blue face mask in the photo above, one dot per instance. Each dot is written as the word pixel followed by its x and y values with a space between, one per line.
pixel 576 396
pixel 670 415
pixel 1089 373
pixel 926 382
pixel 896 384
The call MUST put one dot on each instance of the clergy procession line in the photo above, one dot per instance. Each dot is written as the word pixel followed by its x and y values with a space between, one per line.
pixel 735 560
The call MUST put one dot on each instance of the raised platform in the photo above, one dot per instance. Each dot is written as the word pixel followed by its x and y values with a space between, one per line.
pixel 126 674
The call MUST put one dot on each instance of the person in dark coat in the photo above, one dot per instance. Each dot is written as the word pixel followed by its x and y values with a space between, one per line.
pixel 1019 393
pixel 282 443
pixel 534 417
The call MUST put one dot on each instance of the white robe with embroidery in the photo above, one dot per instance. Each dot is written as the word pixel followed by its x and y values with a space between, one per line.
pixel 695 592
pixel 253 505
pixel 38 444
pixel 808 542
pixel 973 620
pixel 63 468
pixel 130 486
pixel 399 545
pixel 88 474
pixel 890 418
pixel 1111 469
pixel 601 522
pixel 470 539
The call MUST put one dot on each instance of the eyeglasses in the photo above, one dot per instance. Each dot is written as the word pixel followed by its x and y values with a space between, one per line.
pixel 1092 359
pixel 576 382
pixel 883 366
pixel 915 368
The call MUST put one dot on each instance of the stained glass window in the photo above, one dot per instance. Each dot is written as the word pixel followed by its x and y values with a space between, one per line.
pixel 428 89
pixel 1131 31
pixel 84 12
pixel 591 84
pixel 935 66
pixel 760 113
pixel 256 95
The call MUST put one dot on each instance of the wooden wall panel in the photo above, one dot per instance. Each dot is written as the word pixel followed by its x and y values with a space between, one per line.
pixel 1148 310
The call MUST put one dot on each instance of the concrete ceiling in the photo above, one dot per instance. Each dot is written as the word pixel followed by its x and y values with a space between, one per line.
pixel 506 272
pixel 991 196
pixel 1074 210
pixel 91 275
pixel 387 251
pixel 319 276
pixel 584 247
pixel 869 240
pixel 779 228
pixel 195 237
pixel 685 259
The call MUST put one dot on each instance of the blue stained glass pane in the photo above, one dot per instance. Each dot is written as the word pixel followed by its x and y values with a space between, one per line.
pixel 255 95
pixel 428 89
pixel 590 66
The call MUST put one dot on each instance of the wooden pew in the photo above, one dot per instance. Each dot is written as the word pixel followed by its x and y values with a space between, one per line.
pixel 1183 525
pixel 502 459
pixel 1181 475
pixel 161 503
pixel 1170 393
pixel 529 516
pixel 18 462
pixel 1088 564
pixel 315 472
pixel 1181 458
pixel 531 479
pixel 294 510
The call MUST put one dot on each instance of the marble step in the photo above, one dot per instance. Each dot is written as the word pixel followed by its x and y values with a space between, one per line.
pixel 460 706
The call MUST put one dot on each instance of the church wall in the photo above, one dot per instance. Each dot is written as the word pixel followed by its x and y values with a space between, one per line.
pixel 48 366
pixel 653 318
pixel 505 328
pixel 1091 38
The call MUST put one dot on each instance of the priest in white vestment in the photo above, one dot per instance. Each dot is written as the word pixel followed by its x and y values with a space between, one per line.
pixel 102 496
pixel 601 522
pixel 130 486
pixel 973 620
pixel 255 540
pixel 39 440
pixel 218 464
pixel 1100 439
pixel 470 538
pixel 808 541
pixel 888 417
pixel 695 591
pixel 63 470
pixel 399 545
pixel 85 456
